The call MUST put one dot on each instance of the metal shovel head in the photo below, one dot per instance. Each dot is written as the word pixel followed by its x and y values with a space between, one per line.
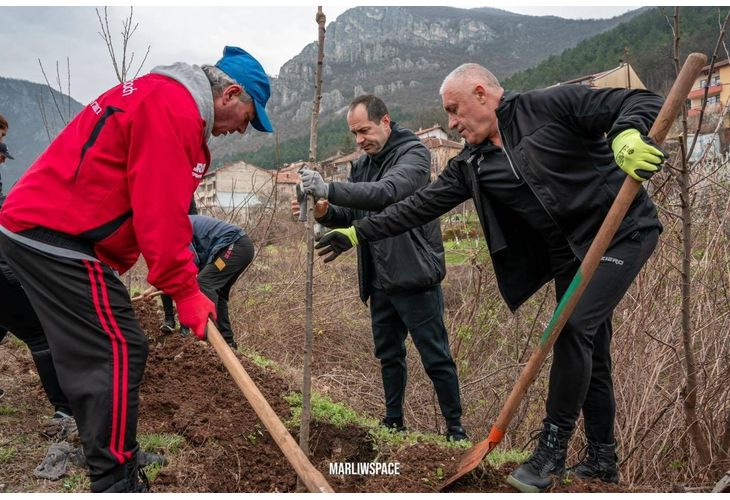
pixel 474 455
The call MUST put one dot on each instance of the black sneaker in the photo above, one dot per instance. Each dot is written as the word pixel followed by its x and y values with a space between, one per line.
pixel 599 462
pixel 395 423
pixel 168 326
pixel 456 433
pixel 545 463
pixel 184 331
pixel 2 393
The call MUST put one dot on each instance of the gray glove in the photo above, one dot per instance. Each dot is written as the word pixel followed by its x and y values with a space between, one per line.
pixel 313 184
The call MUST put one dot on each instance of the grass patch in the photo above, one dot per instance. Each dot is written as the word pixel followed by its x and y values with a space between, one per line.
pixel 461 251
pixel 161 443
pixel 152 471
pixel 499 457
pixel 8 410
pixel 7 453
pixel 258 359
pixel 385 441
pixel 76 483
pixel 326 410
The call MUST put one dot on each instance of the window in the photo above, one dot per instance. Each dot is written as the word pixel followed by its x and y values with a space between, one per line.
pixel 715 99
pixel 716 80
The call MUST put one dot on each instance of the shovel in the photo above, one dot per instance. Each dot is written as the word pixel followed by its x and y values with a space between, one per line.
pixel 311 477
pixel 673 104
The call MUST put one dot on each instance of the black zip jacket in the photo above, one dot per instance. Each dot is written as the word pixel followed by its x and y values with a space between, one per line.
pixel 556 140
pixel 414 260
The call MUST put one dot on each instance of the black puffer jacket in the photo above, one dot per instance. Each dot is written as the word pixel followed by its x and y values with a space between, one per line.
pixel 414 260
pixel 556 139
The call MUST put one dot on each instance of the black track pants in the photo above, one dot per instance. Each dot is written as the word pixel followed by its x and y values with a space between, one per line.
pixel 217 278
pixel 580 377
pixel 421 313
pixel 99 349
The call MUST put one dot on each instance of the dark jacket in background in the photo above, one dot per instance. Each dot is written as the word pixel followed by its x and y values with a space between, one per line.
pixel 210 236
pixel 556 140
pixel 410 261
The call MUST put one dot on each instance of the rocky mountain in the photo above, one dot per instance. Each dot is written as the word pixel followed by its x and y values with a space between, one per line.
pixel 403 54
pixel 35 115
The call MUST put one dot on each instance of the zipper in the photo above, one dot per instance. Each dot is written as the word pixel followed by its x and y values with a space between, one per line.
pixel 509 160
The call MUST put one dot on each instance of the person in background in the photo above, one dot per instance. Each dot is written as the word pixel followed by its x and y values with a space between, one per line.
pixel 400 276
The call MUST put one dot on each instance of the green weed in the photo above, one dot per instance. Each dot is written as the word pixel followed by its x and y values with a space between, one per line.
pixel 161 443
pixel 499 457
pixel 7 453
pixel 76 483
pixel 8 410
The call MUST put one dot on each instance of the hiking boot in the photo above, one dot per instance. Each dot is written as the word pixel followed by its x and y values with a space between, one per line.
pixel 456 433
pixel 395 423
pixel 168 326
pixel 546 462
pixel 184 331
pixel 127 478
pixel 599 462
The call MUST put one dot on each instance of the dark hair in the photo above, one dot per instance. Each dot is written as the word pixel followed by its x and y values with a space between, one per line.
pixel 374 105
pixel 3 122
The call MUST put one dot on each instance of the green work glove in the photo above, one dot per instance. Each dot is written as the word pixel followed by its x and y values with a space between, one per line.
pixel 637 154
pixel 334 242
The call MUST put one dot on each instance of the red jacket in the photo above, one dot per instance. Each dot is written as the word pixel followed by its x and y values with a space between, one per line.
pixel 121 175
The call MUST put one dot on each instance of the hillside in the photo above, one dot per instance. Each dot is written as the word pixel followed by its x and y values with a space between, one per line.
pixel 649 39
pixel 24 104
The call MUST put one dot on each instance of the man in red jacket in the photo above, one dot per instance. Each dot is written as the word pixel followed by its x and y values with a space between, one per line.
pixel 117 182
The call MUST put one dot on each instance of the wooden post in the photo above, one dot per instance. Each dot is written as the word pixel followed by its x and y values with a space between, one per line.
pixel 308 334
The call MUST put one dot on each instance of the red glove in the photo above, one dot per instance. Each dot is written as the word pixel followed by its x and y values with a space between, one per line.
pixel 193 311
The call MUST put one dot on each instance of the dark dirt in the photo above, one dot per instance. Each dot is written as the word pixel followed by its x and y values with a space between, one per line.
pixel 187 391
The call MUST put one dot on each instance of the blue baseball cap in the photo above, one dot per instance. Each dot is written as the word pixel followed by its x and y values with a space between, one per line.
pixel 248 72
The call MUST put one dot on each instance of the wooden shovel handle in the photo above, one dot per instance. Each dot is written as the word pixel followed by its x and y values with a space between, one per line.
pixel 311 477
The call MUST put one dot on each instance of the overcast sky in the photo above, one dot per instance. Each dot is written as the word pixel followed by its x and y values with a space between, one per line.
pixel 193 34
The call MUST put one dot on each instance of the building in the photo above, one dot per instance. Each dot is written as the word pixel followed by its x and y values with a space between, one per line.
pixel 337 168
pixel 238 189
pixel 436 132
pixel 442 150
pixel 622 76
pixel 287 179
pixel 717 87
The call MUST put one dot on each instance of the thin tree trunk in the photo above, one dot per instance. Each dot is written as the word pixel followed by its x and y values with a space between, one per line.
pixel 307 382
pixel 691 385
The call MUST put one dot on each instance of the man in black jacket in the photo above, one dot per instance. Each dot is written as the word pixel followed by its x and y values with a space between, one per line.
pixel 542 169
pixel 401 275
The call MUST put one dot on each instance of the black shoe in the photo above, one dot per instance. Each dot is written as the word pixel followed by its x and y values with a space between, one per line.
pixel 599 462
pixel 395 423
pixel 184 331
pixel 456 433
pixel 546 462
pixel 168 326
pixel 2 393
pixel 128 478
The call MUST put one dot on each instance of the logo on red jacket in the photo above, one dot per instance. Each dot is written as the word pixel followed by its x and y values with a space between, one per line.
pixel 199 170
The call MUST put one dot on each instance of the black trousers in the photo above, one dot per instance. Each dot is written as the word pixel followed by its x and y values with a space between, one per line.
pixel 98 346
pixel 421 313
pixel 217 278
pixel 18 316
pixel 580 377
